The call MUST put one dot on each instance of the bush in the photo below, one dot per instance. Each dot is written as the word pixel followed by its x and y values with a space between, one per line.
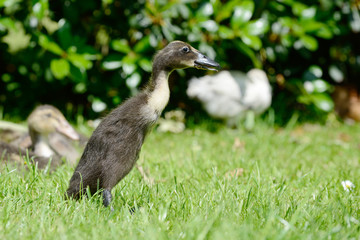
pixel 88 56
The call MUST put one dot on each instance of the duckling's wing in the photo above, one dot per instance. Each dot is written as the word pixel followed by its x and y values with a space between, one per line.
pixel 23 141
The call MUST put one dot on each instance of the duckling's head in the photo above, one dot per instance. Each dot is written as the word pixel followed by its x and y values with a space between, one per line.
pixel 47 119
pixel 178 55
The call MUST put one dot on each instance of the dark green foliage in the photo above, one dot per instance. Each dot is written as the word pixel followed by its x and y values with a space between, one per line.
pixel 79 55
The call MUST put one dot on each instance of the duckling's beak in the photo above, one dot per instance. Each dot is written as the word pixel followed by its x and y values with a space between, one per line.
pixel 65 129
pixel 205 63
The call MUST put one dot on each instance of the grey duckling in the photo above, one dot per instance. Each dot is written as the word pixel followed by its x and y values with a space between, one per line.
pixel 43 122
pixel 114 146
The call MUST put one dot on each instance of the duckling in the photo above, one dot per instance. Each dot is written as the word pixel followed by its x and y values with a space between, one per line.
pixel 347 103
pixel 43 123
pixel 15 156
pixel 232 95
pixel 114 146
pixel 10 132
pixel 173 122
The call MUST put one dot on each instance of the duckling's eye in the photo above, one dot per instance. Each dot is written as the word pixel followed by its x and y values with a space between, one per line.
pixel 48 115
pixel 185 49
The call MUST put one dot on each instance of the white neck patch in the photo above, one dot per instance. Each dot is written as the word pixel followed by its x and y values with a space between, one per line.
pixel 159 98
pixel 42 149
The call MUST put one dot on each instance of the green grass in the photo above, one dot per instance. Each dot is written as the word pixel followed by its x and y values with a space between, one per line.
pixel 290 189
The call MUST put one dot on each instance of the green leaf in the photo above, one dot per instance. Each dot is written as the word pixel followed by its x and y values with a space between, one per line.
pixel 242 13
pixel 65 35
pixel 80 88
pixel 317 28
pixel 204 12
pixel 133 80
pixel 304 99
pixel 184 11
pixel 16 39
pixel 324 32
pixel 323 102
pixel 40 8
pixel 128 68
pixel 79 61
pixel 311 25
pixel 355 18
pixel 50 25
pixel 276 6
pixel 270 54
pixel 77 74
pixel 225 11
pixel 308 13
pixel 129 64
pixel 257 27
pixel 120 45
pixel 252 41
pixel 111 65
pixel 60 68
pixel 309 42
pixel 287 21
pixel 314 72
pixel 287 40
pixel 321 86
pixel 7 23
pixel 12 86
pixel 111 62
pixel 167 33
pixel 210 25
pixel 226 33
pixel 298 8
pixel 143 45
pixel 145 64
pixel 49 45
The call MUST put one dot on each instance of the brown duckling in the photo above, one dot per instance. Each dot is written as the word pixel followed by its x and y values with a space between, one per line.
pixel 15 156
pixel 43 123
pixel 347 102
pixel 114 146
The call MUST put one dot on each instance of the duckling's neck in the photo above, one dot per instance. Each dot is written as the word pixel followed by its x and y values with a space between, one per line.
pixel 158 90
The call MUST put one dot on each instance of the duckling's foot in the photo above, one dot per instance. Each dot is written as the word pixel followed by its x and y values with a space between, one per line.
pixel 107 198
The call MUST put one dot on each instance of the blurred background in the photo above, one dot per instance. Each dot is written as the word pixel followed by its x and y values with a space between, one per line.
pixel 86 57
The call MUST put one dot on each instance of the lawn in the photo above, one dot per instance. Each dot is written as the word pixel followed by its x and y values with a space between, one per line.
pixel 287 186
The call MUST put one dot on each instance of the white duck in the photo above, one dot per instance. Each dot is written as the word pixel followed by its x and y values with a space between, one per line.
pixel 233 95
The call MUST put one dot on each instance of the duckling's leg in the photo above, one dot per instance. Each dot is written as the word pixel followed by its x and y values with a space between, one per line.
pixel 250 121
pixel 107 197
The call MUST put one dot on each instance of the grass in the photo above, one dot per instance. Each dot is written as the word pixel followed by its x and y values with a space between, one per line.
pixel 290 188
